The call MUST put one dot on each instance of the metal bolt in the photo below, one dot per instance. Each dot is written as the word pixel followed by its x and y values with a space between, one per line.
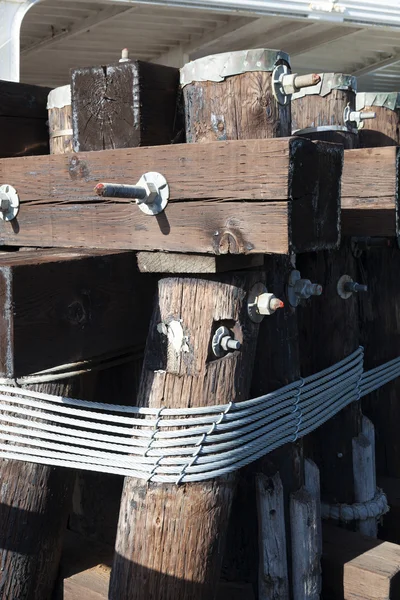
pixel 346 287
pixel 340 455
pixel 301 289
pixel 151 192
pixel 352 286
pixel 286 83
pixel 356 116
pixel 124 55
pixel 223 342
pixel 261 303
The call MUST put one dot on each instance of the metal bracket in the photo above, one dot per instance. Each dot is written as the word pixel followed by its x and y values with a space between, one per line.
pixel 9 202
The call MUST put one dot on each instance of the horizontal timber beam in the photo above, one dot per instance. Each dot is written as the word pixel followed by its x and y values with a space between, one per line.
pixel 370 192
pixel 239 197
pixel 88 299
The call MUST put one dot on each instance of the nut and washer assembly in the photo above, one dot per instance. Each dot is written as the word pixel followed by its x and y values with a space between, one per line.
pixel 262 303
pixel 9 202
pixel 224 342
pixel 346 287
pixel 151 192
pixel 301 289
pixel 356 116
pixel 286 83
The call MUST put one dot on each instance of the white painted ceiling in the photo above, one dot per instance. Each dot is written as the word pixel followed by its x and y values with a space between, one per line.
pixel 58 35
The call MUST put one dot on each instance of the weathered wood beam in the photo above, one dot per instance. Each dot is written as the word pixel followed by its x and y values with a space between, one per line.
pixel 287 198
pixel 370 192
pixel 171 262
pixel 23 117
pixel 355 566
pixel 89 300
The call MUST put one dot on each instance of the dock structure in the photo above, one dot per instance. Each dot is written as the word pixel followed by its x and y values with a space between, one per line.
pixel 198 334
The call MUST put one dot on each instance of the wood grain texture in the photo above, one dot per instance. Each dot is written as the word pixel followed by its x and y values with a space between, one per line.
pixel 305 546
pixel 370 191
pixel 89 301
pixel 170 262
pixel 34 504
pixel 364 479
pixel 324 111
pixel 239 107
pixel 286 201
pixel 358 567
pixel 125 105
pixel 60 120
pixel 313 487
pixel 329 331
pixel 381 131
pixel 171 538
pixel 273 583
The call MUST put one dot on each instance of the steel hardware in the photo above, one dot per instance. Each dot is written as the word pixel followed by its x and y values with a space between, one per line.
pixel 151 192
pixel 262 303
pixel 9 202
pixel 301 289
pixel 346 287
pixel 224 342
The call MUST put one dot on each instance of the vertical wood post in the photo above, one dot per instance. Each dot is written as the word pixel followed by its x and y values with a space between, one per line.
pixel 384 130
pixel 330 333
pixel 318 112
pixel 35 501
pixel 60 120
pixel 273 582
pixel 171 537
pixel 306 554
pixel 379 309
pixel 242 105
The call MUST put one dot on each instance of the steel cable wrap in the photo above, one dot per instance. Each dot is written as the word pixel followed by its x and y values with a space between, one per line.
pixel 177 445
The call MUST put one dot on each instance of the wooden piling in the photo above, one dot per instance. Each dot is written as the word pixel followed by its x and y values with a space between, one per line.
pixel 384 129
pixel 318 112
pixel 240 104
pixel 379 309
pixel 331 333
pixel 273 581
pixel 171 537
pixel 60 120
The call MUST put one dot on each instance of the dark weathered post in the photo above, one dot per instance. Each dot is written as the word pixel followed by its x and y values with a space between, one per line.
pixel 379 260
pixel 332 333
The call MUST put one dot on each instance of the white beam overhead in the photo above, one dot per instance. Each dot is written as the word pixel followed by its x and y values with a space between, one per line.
pixel 367 12
pixel 378 64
